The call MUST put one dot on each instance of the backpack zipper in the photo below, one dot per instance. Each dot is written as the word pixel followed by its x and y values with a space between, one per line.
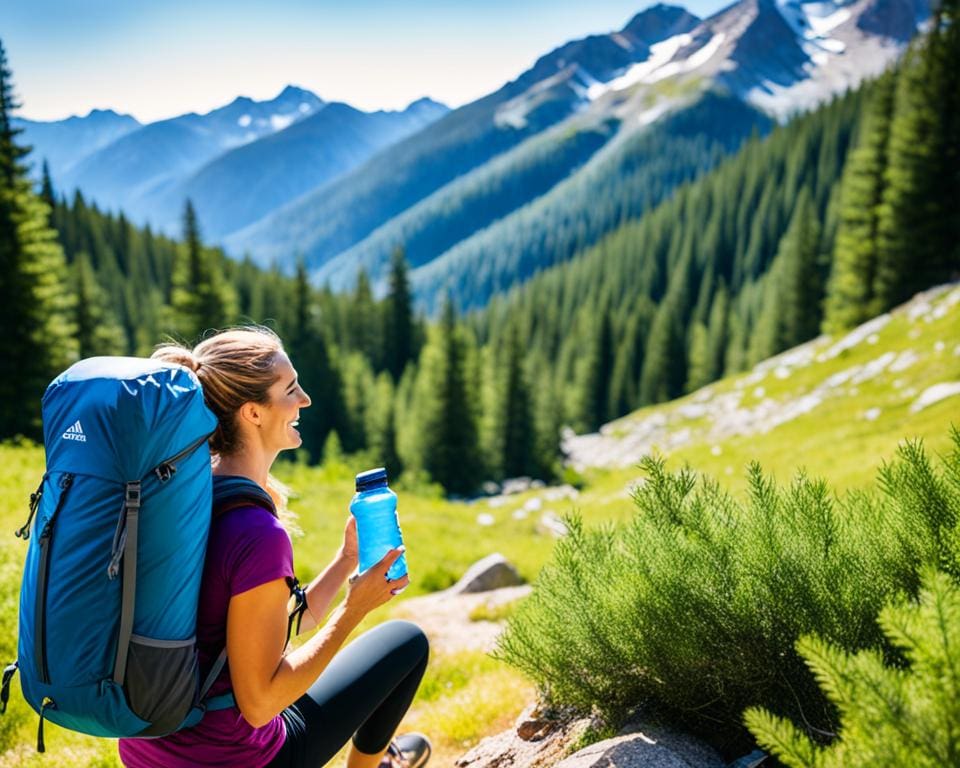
pixel 168 467
pixel 40 626
pixel 24 532
pixel 48 703
pixel 164 471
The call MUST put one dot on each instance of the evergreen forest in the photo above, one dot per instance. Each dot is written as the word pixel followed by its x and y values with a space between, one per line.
pixel 830 219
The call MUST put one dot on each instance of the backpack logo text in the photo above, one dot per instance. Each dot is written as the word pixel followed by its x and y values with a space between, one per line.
pixel 75 432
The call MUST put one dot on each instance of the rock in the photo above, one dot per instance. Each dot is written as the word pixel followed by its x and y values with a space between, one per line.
pixel 541 738
pixel 935 394
pixel 492 572
pixel 537 740
pixel 552 525
pixel 645 746
pixel 490 488
pixel 534 725
pixel 516 485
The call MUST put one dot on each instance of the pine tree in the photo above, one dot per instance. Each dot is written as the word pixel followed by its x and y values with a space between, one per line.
pixel 447 424
pixel 850 300
pixel 595 374
pixel 717 333
pixel 891 716
pixel 802 282
pixel 664 364
pixel 698 372
pixel 301 332
pixel 98 332
pixel 399 334
pixel 47 193
pixel 35 305
pixel 793 287
pixel 364 326
pixel 318 372
pixel 358 393
pixel 919 227
pixel 381 426
pixel 517 448
pixel 201 299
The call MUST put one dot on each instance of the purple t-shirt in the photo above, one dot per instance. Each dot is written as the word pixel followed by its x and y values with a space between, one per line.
pixel 247 547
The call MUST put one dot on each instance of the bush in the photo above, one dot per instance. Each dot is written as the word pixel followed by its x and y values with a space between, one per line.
pixel 888 716
pixel 694 606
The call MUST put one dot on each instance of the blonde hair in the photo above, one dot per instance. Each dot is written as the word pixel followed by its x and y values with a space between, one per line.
pixel 235 366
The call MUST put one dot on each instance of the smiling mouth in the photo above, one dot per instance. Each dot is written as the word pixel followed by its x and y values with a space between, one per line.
pixel 295 423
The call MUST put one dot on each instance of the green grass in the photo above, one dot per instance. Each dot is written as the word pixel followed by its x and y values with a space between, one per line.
pixel 443 538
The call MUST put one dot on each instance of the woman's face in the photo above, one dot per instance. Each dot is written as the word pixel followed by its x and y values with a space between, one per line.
pixel 282 411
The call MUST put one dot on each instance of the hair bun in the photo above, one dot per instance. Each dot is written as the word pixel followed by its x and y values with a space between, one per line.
pixel 174 353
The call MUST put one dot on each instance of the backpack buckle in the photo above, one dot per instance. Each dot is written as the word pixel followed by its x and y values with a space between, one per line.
pixel 133 495
pixel 8 674
pixel 165 471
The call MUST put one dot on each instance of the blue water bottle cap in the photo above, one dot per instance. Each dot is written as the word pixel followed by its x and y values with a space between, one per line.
pixel 372 478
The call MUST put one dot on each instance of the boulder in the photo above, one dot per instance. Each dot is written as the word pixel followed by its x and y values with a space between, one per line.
pixel 645 746
pixel 492 572
pixel 545 739
pixel 538 739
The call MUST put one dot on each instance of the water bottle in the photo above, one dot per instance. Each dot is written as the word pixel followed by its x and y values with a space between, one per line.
pixel 378 530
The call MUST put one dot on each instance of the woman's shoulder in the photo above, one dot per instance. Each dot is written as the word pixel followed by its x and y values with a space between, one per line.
pixel 246 543
pixel 248 520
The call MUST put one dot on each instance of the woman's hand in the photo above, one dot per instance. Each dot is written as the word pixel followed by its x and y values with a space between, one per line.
pixel 349 550
pixel 372 588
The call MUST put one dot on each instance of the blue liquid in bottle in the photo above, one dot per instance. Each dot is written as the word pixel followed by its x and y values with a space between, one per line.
pixel 378 530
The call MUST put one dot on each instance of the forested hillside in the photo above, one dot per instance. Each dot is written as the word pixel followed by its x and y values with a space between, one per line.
pixel 632 175
pixel 837 215
pixel 756 256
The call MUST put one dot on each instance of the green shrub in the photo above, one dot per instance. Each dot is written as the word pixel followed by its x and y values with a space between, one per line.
pixel 693 607
pixel 888 716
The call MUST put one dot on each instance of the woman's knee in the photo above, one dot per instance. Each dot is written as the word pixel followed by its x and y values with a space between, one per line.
pixel 409 636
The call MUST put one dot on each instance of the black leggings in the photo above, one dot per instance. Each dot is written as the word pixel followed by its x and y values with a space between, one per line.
pixel 364 692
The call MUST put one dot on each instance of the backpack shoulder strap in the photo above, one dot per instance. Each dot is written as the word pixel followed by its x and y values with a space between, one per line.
pixel 232 492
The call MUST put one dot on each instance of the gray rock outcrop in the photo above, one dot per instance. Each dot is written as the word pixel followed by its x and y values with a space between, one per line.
pixel 492 572
pixel 544 740
pixel 647 747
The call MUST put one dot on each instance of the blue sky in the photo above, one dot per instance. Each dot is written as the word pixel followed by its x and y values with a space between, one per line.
pixel 160 58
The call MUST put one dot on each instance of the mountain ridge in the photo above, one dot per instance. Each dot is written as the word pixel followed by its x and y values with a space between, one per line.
pixel 777 56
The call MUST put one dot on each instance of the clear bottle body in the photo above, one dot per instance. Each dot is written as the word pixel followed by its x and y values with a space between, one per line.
pixel 378 528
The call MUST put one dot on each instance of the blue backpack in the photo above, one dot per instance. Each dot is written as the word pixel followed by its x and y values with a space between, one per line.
pixel 108 601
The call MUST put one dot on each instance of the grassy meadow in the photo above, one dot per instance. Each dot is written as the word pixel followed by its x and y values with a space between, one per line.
pixel 861 401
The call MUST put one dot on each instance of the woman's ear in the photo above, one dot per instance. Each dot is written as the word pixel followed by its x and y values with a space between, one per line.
pixel 250 413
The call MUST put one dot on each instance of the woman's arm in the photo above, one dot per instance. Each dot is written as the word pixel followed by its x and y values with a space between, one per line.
pixel 265 681
pixel 321 591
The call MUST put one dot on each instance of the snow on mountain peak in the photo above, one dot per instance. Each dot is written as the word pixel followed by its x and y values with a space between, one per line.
pixel 660 64
pixel 279 122
pixel 812 23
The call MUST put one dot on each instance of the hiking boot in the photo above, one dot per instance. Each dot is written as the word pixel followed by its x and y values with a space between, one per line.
pixel 408 750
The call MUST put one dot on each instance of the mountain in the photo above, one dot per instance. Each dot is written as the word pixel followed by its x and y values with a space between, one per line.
pixel 785 56
pixel 242 185
pixel 144 161
pixel 62 143
pixel 340 214
pixel 507 185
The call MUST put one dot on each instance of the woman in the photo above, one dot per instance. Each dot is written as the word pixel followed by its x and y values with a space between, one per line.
pixel 295 708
